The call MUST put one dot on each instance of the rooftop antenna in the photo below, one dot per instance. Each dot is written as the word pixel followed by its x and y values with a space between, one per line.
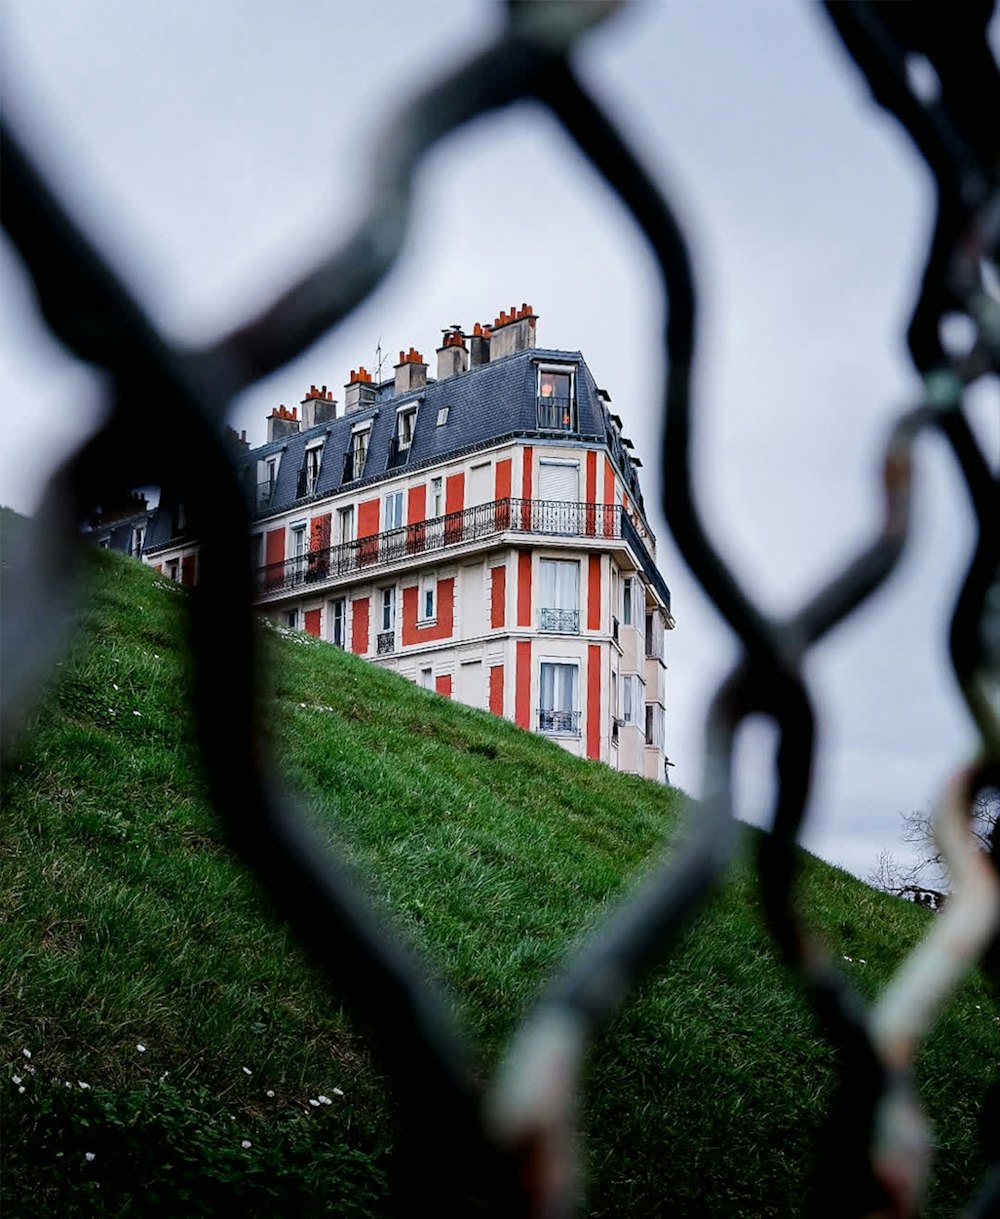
pixel 379 361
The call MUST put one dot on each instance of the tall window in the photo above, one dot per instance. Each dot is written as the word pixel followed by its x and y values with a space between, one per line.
pixel 345 524
pixel 314 459
pixel 557 509
pixel 427 594
pixel 632 700
pixel 629 602
pixel 556 408
pixel 138 537
pixel 427 679
pixel 386 641
pixel 354 461
pixel 297 550
pixel 559 595
pixel 405 421
pixel 654 635
pixel 392 510
pixel 557 696
pixel 654 725
pixel 437 497
pixel 338 622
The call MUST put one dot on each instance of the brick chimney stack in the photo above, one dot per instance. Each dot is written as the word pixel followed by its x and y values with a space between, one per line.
pixel 514 331
pixel 480 341
pixel 359 391
pixel 453 356
pixel 318 406
pixel 411 371
pixel 282 422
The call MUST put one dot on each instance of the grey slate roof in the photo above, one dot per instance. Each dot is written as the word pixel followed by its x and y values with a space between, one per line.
pixel 485 404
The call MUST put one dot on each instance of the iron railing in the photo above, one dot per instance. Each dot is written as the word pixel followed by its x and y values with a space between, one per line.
pixel 484 521
pixel 508 1143
pixel 556 415
pixel 566 723
pixel 564 621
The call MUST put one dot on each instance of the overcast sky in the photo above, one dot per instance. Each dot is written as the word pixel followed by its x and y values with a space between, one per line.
pixel 212 148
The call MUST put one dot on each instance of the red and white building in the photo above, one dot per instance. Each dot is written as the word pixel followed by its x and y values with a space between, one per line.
pixel 480 533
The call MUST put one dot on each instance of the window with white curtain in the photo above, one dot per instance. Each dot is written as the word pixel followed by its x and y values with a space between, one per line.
pixel 557 695
pixel 559 595
pixel 632 699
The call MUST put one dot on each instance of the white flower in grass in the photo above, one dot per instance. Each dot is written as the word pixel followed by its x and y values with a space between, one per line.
pixel 82 1086
pixel 113 686
pixel 164 1076
pixel 26 1053
pixel 246 1144
pixel 270 1092
pixel 21 1089
pixel 338 1092
pixel 15 1079
pixel 851 959
pixel 141 1048
pixel 314 1103
pixel 247 1071
pixel 88 1156
pixel 325 1100
pixel 137 713
pixel 862 961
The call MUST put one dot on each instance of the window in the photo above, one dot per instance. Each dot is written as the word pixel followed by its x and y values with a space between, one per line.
pixel 338 623
pixel 442 418
pixel 632 700
pixel 427 679
pixel 314 460
pixel 557 710
pixel 427 595
pixel 174 570
pixel 654 725
pixel 480 488
pixel 437 497
pixel 386 641
pixel 405 421
pixel 614 707
pixel 297 550
pixel 105 543
pixel 556 407
pixel 345 524
pixel 629 602
pixel 559 608
pixel 267 479
pixel 356 455
pixel 392 510
pixel 138 537
pixel 292 619
pixel 654 635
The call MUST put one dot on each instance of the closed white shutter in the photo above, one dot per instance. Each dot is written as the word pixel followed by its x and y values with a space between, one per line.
pixel 480 485
pixel 558 493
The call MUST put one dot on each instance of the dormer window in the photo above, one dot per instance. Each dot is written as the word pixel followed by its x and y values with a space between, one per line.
pixel 556 399
pixel 356 455
pixel 399 445
pixel 310 471
pixel 138 538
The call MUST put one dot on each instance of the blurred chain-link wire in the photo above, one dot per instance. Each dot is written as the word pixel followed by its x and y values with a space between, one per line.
pixel 512 1144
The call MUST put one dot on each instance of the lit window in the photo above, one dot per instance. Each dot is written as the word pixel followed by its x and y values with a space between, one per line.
pixel 557 693
pixel 556 408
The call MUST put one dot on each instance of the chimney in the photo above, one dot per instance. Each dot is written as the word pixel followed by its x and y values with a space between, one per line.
pixel 453 357
pixel 411 371
pixel 480 345
pixel 318 406
pixel 514 331
pixel 237 440
pixel 359 391
pixel 282 422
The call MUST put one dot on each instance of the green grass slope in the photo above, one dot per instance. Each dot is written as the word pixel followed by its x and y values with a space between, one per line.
pixel 185 1060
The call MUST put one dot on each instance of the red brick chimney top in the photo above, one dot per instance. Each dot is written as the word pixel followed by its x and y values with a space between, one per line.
pixel 410 357
pixel 282 412
pixel 361 375
pixel 515 315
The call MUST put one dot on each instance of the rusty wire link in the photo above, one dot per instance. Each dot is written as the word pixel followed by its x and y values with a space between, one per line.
pixel 513 1145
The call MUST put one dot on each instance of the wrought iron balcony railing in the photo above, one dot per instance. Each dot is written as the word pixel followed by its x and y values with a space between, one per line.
pixel 538 516
pixel 399 453
pixel 565 722
pixel 385 642
pixel 354 465
pixel 556 415
pixel 265 493
pixel 559 621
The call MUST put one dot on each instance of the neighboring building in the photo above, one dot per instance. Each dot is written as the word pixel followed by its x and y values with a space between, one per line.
pixel 482 534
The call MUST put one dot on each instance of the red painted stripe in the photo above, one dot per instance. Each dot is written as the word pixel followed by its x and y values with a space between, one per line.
pixel 590 496
pixel 503 476
pixel 445 624
pixel 593 701
pixel 594 594
pixel 496 689
pixel 524 588
pixel 359 626
pixel 522 684
pixel 498 596
pixel 312 622
pixel 443 685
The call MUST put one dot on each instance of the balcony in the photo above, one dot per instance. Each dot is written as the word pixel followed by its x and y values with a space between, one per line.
pixel 552 518
pixel 399 453
pixel 385 642
pixel 556 415
pixel 306 483
pixel 559 621
pixel 565 723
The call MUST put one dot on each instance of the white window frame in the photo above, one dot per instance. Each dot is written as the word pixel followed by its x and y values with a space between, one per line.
pixel 392 510
pixel 549 726
pixel 338 620
pixel 345 515
pixel 437 498
pixel 387 609
pixel 629 600
pixel 426 679
pixel 427 599
pixel 633 694
pixel 564 370
pixel 559 595
pixel 360 436
pixel 297 554
pixel 655 735
pixel 406 423
pixel 314 464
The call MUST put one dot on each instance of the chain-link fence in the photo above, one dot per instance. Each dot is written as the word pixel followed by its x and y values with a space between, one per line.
pixel 511 1142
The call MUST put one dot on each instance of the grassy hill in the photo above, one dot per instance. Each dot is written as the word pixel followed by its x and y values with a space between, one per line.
pixel 178 1039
